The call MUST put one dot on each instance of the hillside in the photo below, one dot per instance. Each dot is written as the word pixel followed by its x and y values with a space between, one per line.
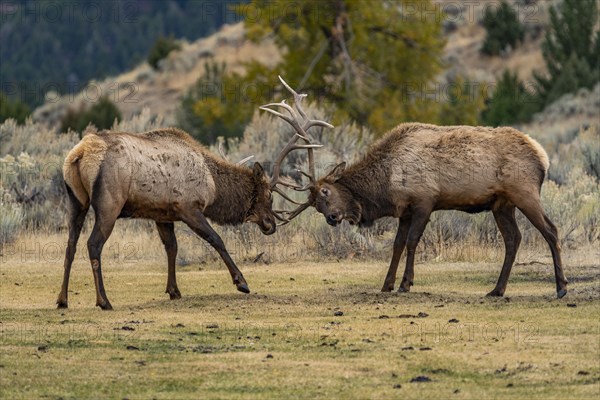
pixel 160 91
pixel 465 36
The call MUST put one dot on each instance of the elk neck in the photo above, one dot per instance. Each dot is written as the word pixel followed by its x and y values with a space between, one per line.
pixel 234 192
pixel 368 184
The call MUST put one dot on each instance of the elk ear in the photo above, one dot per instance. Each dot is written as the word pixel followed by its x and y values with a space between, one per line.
pixel 336 172
pixel 257 171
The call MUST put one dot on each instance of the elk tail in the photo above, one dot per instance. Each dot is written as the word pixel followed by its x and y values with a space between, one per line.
pixel 542 156
pixel 82 165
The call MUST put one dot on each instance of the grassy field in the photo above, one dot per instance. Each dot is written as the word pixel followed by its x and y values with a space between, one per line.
pixel 307 330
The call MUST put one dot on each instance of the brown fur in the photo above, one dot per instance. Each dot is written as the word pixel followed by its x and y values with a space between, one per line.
pixel 416 169
pixel 164 175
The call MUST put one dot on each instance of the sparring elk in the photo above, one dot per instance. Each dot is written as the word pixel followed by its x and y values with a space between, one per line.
pixel 416 169
pixel 166 176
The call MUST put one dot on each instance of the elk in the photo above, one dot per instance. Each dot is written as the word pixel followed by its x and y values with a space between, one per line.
pixel 166 176
pixel 416 169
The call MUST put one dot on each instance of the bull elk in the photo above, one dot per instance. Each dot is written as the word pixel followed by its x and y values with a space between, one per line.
pixel 166 176
pixel 416 169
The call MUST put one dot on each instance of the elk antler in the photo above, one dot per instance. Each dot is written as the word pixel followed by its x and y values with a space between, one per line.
pixel 241 162
pixel 301 123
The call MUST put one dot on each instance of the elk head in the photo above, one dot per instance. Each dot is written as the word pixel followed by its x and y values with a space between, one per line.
pixel 262 199
pixel 262 202
pixel 334 200
pixel 299 120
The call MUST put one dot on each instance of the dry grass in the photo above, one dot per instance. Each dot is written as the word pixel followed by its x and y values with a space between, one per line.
pixel 283 340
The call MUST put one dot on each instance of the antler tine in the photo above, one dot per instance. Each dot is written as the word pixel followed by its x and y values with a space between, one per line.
pixel 222 151
pixel 285 196
pixel 279 217
pixel 245 160
pixel 292 214
pixel 283 104
pixel 297 99
pixel 310 177
pixel 315 122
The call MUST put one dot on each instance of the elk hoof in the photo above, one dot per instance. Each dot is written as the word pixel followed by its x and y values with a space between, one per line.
pixel 387 287
pixel 561 293
pixel 242 287
pixel 105 305
pixel 494 293
pixel 402 289
pixel 174 294
pixel 61 304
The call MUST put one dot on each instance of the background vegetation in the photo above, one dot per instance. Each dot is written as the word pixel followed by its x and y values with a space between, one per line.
pixel 101 115
pixel 88 39
pixel 160 49
pixel 571 51
pixel 32 189
pixel 504 30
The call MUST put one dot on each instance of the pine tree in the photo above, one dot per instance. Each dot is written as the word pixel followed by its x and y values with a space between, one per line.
pixel 161 49
pixel 503 29
pixel 511 102
pixel 571 50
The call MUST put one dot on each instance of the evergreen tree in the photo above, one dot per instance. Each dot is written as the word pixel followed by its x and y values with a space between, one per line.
pixel 503 29
pixel 161 49
pixel 571 50
pixel 511 102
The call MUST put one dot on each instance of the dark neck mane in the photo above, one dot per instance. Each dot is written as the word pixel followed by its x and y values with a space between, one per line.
pixel 234 191
pixel 369 183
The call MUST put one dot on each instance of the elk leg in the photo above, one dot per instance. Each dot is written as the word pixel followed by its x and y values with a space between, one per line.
pixel 417 226
pixel 507 224
pixel 77 214
pixel 534 213
pixel 102 230
pixel 166 231
pixel 399 244
pixel 198 223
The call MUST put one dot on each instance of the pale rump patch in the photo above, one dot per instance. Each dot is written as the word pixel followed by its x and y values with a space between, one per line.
pixel 543 156
pixel 82 164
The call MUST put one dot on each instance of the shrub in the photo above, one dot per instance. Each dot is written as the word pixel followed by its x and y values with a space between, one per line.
pixel 161 49
pixel 11 218
pixel 13 109
pixel 32 156
pixel 503 29
pixel 589 145
pixel 102 115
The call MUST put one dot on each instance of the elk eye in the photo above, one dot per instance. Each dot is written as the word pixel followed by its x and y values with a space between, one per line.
pixel 325 192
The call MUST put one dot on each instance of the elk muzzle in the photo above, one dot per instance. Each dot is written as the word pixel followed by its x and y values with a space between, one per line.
pixel 334 218
pixel 268 226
